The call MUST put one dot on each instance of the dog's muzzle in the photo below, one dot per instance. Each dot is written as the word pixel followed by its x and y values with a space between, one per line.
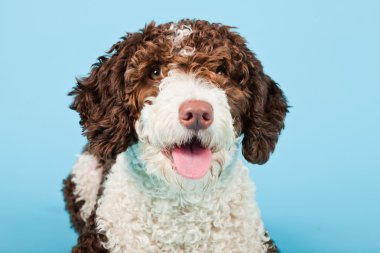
pixel 192 160
pixel 190 127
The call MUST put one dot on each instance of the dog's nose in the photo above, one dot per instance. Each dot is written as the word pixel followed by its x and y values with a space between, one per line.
pixel 196 114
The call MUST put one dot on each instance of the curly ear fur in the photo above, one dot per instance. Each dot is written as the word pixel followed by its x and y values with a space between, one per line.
pixel 265 117
pixel 104 103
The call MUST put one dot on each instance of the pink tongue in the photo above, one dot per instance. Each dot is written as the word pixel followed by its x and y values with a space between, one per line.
pixel 192 161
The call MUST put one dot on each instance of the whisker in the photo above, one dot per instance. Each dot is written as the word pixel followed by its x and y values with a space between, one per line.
pixel 163 172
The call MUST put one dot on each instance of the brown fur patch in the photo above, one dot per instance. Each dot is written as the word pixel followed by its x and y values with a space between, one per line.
pixel 90 241
pixel 272 248
pixel 73 206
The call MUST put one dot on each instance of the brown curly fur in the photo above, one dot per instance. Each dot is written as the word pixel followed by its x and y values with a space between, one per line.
pixel 272 248
pixel 72 205
pixel 90 241
pixel 110 99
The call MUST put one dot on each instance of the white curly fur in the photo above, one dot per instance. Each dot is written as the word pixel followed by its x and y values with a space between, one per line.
pixel 139 212
pixel 86 175
pixel 180 33
pixel 158 128
pixel 147 207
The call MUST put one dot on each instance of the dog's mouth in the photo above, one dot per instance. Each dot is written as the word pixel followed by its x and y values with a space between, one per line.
pixel 191 160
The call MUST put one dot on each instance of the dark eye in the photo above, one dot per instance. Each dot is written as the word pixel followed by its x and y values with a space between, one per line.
pixel 155 72
pixel 221 70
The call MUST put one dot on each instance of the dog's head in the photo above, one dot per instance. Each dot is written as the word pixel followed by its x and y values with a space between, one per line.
pixel 184 91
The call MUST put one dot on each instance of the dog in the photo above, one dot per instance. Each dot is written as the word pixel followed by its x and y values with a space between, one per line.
pixel 165 113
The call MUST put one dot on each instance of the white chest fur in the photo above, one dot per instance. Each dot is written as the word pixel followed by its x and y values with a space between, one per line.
pixel 138 213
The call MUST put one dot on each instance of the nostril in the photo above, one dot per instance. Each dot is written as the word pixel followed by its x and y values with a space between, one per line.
pixel 206 116
pixel 187 116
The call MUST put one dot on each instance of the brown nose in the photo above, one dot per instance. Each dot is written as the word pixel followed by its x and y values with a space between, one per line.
pixel 196 114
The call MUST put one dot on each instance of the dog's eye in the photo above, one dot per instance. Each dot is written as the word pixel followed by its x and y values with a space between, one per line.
pixel 155 72
pixel 221 70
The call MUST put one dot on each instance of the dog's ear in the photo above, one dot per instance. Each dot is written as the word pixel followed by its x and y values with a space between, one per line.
pixel 103 100
pixel 264 119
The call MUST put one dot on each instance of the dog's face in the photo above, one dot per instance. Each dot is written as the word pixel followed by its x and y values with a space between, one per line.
pixel 185 91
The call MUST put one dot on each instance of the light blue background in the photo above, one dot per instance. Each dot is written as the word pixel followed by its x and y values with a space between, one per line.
pixel 320 190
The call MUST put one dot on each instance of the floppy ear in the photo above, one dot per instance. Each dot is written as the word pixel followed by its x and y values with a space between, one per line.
pixel 103 101
pixel 265 117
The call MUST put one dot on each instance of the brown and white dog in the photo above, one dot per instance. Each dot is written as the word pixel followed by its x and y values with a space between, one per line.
pixel 164 113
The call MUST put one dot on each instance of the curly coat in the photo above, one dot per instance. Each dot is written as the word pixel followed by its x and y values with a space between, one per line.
pixel 110 99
